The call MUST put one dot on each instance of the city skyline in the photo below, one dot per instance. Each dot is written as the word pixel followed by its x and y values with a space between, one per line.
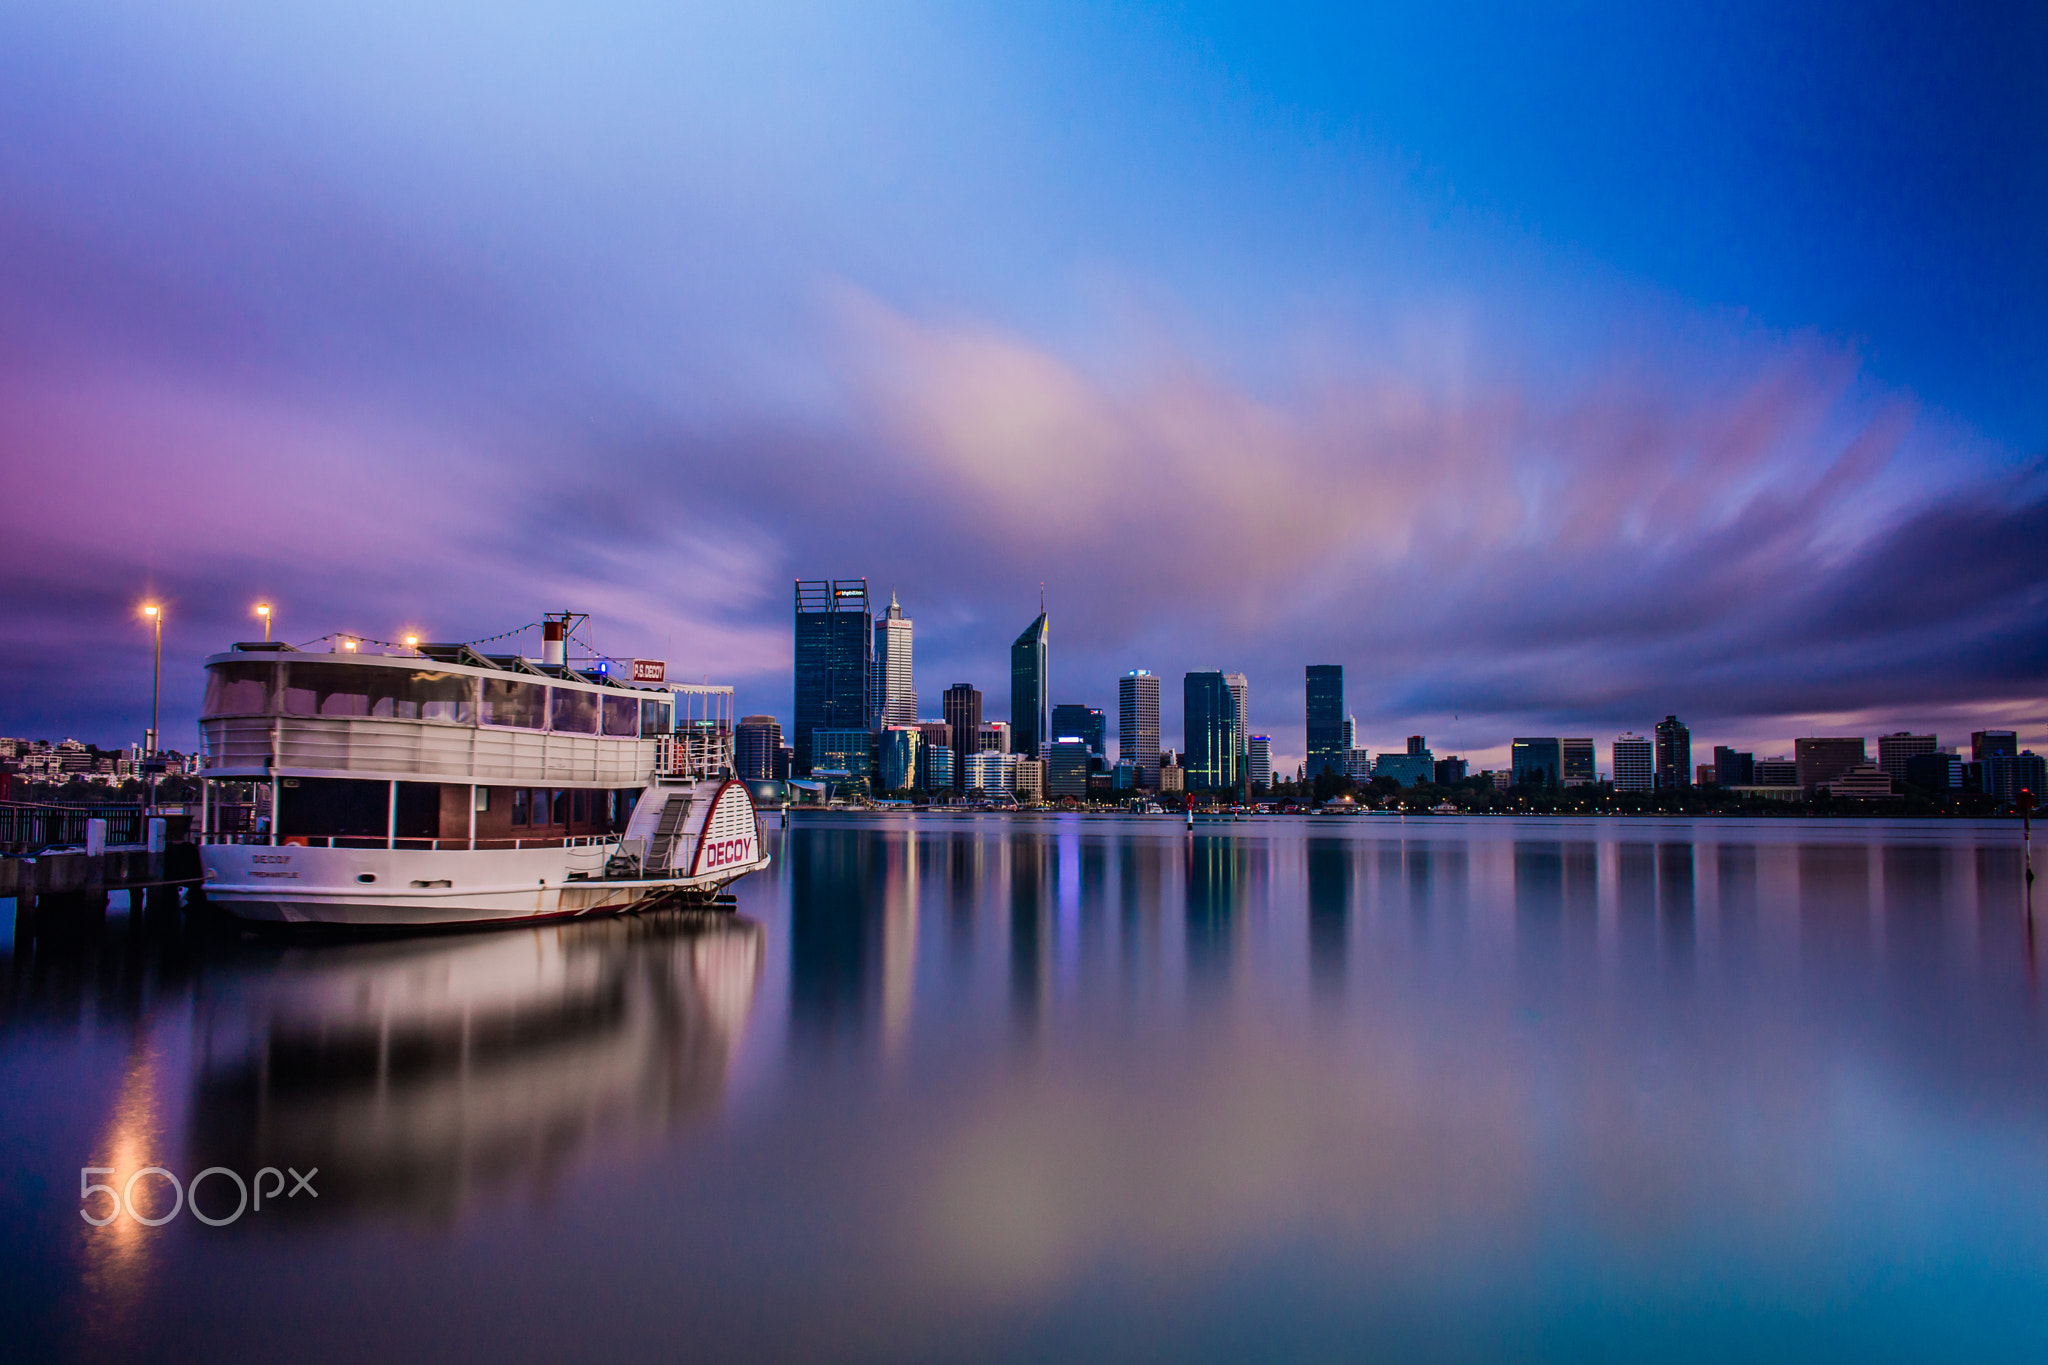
pixel 1277 357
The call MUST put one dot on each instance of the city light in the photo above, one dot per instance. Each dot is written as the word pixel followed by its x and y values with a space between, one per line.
pixel 263 610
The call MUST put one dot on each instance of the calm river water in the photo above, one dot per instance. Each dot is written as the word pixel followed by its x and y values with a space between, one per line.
pixel 1015 1089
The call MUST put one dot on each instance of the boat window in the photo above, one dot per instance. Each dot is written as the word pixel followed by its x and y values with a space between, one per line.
pixel 654 718
pixel 238 689
pixel 622 716
pixel 522 705
pixel 335 689
pixel 519 806
pixel 575 711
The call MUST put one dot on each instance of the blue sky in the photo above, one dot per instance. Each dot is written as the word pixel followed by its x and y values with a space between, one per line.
pixel 1551 368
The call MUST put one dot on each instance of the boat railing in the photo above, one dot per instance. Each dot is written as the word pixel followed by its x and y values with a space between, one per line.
pixel 448 845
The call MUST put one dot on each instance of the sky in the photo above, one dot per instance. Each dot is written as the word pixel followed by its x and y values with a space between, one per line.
pixel 1551 368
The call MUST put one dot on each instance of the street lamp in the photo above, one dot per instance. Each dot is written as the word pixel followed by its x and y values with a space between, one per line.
pixel 412 642
pixel 155 614
pixel 263 610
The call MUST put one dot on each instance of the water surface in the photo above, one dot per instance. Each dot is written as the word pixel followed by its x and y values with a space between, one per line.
pixel 1012 1088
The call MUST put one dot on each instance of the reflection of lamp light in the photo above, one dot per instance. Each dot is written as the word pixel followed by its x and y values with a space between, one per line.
pixel 263 610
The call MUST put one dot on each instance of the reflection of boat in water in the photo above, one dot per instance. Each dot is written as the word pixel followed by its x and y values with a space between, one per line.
pixel 416 1074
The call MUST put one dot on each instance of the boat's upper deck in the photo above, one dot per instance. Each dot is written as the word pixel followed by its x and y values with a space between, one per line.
pixel 412 716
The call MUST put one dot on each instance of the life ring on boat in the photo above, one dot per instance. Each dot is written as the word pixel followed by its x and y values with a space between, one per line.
pixel 296 841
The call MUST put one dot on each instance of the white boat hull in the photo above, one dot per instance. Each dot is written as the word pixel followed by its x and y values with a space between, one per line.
pixel 424 888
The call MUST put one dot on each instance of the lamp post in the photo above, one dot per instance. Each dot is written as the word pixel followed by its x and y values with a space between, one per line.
pixel 263 610
pixel 155 614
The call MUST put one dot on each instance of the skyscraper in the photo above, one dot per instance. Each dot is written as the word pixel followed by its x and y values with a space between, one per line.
pixel 834 662
pixel 1635 764
pixel 1086 723
pixel 1536 761
pixel 1137 725
pixel 1674 755
pixel 1894 749
pixel 895 689
pixel 1030 690
pixel 1326 739
pixel 1259 753
pixel 962 708
pixel 1209 719
pixel 1240 696
pixel 754 742
pixel 1733 767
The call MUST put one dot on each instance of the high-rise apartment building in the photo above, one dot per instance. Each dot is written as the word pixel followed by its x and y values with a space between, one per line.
pixel 1990 743
pixel 1895 749
pixel 1137 725
pixel 754 742
pixel 1326 740
pixel 1635 764
pixel 1536 761
pixel 1209 718
pixel 1259 751
pixel 961 706
pixel 1822 759
pixel 2007 775
pixel 1674 755
pixel 1087 723
pixel 1030 690
pixel 834 661
pixel 895 689
pixel 1575 761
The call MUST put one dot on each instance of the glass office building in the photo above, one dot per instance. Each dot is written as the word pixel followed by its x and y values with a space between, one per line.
pixel 1209 721
pixel 834 662
pixel 1086 723
pixel 1030 690
pixel 1537 762
pixel 1326 741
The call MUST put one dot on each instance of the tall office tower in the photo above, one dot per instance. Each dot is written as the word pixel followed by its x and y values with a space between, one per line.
pixel 995 737
pixel 835 634
pixel 1137 725
pixel 754 743
pixel 895 689
pixel 1030 690
pixel 1241 697
pixel 1635 764
pixel 1575 761
pixel 1071 720
pixel 1536 761
pixel 1350 733
pixel 1894 749
pixel 1674 755
pixel 1825 758
pixel 1326 738
pixel 1259 749
pixel 1209 717
pixel 961 707
pixel 1733 768
pixel 1986 743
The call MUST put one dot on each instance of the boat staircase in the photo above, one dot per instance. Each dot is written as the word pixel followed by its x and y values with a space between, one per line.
pixel 675 810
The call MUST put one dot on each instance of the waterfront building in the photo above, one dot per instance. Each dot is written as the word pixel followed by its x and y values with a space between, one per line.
pixel 755 742
pixel 785 760
pixel 1030 689
pixel 1894 749
pixel 1259 750
pixel 1536 761
pixel 1410 769
pixel 1935 772
pixel 1358 764
pixel 1086 723
pixel 1575 761
pixel 1674 754
pixel 1137 724
pixel 1123 776
pixel 2007 775
pixel 843 753
pixel 895 688
pixel 899 749
pixel 834 661
pixel 1987 743
pixel 1326 739
pixel 1732 768
pixel 1775 772
pixel 995 736
pixel 1635 764
pixel 1066 767
pixel 1449 771
pixel 1860 782
pixel 1209 713
pixel 991 770
pixel 961 706
pixel 1030 779
pixel 1822 759
pixel 1172 778
pixel 938 768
